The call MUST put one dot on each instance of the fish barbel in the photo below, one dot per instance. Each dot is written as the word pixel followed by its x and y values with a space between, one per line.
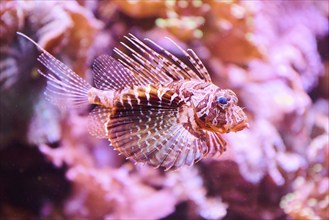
pixel 150 105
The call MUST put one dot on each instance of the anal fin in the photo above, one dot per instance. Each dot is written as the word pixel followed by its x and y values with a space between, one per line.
pixel 98 118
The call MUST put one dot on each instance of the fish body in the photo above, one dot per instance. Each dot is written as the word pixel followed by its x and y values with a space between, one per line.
pixel 151 106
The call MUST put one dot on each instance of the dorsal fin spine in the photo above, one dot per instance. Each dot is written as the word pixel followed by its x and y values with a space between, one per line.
pixel 159 66
pixel 178 68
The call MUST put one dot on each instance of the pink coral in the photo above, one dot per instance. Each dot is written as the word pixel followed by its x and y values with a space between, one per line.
pixel 271 53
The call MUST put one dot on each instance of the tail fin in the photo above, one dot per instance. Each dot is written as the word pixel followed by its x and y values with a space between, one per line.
pixel 63 85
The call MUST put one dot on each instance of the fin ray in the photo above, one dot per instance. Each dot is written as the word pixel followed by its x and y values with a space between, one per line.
pixel 62 83
pixel 216 143
pixel 151 67
pixel 98 118
pixel 111 74
pixel 151 134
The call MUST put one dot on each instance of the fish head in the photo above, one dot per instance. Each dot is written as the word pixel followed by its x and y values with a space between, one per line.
pixel 221 113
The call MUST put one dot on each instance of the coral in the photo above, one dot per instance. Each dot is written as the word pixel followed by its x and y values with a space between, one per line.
pixel 273 54
pixel 54 25
pixel 309 198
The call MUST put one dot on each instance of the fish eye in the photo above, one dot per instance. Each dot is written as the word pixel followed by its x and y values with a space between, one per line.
pixel 222 100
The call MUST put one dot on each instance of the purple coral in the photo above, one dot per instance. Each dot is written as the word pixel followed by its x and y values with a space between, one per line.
pixel 268 52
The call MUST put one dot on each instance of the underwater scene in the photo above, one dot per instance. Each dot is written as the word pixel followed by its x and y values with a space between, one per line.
pixel 164 109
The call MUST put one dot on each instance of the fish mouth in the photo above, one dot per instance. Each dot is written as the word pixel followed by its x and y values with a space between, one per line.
pixel 240 126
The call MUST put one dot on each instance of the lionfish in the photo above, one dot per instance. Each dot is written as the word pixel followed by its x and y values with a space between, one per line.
pixel 153 107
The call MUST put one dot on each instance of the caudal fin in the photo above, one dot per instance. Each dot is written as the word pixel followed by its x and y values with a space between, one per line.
pixel 64 87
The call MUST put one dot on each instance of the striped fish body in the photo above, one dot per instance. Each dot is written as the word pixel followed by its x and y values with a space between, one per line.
pixel 168 126
pixel 152 107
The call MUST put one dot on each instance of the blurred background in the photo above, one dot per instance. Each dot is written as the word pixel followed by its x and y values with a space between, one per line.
pixel 273 54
